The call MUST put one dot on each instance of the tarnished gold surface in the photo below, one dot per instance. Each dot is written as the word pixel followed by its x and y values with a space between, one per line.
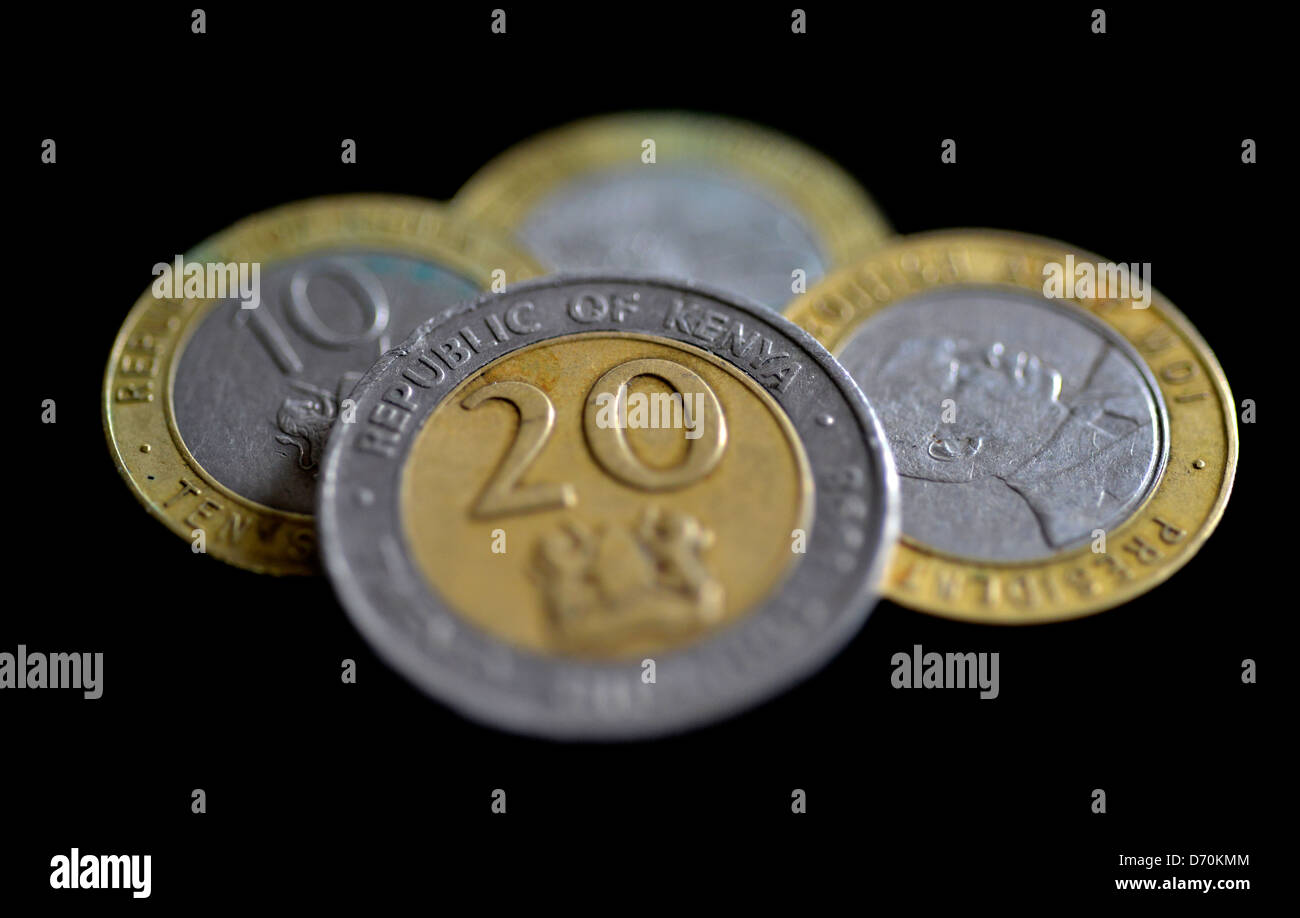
pixel 616 541
pixel 847 222
pixel 137 398
pixel 1159 537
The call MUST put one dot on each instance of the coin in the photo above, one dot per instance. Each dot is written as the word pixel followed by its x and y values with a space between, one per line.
pixel 1057 456
pixel 515 529
pixel 217 414
pixel 723 202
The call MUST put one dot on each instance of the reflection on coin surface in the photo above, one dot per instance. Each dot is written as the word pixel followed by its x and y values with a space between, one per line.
pixel 723 202
pixel 1056 456
pixel 1056 429
pixel 562 482
pixel 218 414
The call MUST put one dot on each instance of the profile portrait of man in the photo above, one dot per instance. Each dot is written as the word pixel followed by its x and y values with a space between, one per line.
pixel 1005 458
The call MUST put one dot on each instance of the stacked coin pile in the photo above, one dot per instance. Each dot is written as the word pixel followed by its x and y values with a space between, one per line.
pixel 630 496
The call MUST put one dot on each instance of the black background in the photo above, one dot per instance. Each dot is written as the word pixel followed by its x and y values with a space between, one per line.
pixel 1127 144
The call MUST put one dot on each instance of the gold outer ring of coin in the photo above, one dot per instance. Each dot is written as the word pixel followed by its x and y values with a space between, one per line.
pixel 1160 536
pixel 836 208
pixel 139 419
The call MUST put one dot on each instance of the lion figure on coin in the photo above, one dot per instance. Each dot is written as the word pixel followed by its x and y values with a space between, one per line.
pixel 621 583
pixel 304 420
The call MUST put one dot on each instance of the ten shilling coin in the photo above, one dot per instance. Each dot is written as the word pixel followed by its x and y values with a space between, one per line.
pixel 230 370
pixel 1064 438
pixel 677 195
pixel 607 507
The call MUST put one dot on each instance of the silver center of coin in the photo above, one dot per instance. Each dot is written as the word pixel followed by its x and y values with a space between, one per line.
pixel 257 390
pixel 1018 426
pixel 673 222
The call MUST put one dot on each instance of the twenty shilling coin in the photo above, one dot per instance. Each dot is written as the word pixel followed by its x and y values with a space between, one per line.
pixel 680 195
pixel 230 370
pixel 1059 451
pixel 604 507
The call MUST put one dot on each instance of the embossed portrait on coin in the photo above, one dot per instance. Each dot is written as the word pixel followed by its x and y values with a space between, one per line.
pixel 1017 429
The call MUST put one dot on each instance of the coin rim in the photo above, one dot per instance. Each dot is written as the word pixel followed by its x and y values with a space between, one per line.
pixel 910 551
pixel 171 458
pixel 524 715
pixel 836 208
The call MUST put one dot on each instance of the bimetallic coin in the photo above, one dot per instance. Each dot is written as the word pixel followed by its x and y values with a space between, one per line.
pixel 217 414
pixel 723 202
pixel 584 480
pixel 1056 456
